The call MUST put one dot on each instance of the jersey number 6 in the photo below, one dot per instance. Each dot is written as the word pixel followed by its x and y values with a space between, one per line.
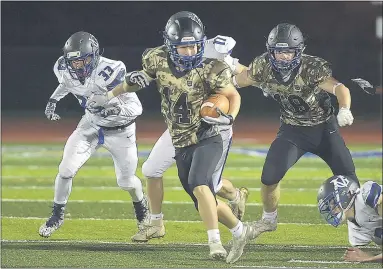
pixel 180 108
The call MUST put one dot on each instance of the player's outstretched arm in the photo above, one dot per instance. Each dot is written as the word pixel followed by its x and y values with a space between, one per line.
pixel 134 81
pixel 60 92
pixel 243 79
pixel 343 95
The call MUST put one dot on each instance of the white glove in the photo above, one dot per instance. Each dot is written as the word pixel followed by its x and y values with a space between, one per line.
pixel 50 110
pixel 344 117
pixel 96 100
pixel 223 119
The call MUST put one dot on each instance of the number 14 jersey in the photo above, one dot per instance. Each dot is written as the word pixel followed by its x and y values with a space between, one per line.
pixel 182 94
pixel 301 101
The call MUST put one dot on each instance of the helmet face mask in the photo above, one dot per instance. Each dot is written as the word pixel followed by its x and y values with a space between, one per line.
pixel 335 197
pixel 185 29
pixel 285 38
pixel 81 54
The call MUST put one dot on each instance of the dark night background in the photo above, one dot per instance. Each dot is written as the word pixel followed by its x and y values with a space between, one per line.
pixel 33 34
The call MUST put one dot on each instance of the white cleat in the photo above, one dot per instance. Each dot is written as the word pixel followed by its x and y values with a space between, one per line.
pixel 148 232
pixel 217 251
pixel 238 206
pixel 48 228
pixel 239 243
pixel 262 226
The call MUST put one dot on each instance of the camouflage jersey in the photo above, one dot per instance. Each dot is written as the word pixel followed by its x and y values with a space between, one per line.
pixel 301 101
pixel 182 94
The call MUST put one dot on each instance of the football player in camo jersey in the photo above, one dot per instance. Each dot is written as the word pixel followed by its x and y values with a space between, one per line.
pixel 301 84
pixel 185 79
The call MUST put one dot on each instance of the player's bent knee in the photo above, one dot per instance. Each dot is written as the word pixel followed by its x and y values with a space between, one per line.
pixel 149 172
pixel 66 172
pixel 128 183
pixel 271 179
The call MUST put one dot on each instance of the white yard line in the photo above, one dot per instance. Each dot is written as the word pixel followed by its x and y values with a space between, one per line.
pixel 167 221
pixel 127 201
pixel 34 187
pixel 107 167
pixel 320 262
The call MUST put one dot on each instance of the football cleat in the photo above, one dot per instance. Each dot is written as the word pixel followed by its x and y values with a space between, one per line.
pixel 54 222
pixel 217 251
pixel 238 206
pixel 262 226
pixel 238 243
pixel 147 232
pixel 141 210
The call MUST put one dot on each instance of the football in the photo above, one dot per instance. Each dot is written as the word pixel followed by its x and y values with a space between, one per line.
pixel 208 108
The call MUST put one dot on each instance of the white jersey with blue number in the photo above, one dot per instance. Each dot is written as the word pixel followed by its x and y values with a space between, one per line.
pixel 368 224
pixel 107 75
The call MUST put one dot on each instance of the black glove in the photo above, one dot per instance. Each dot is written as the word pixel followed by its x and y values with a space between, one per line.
pixel 50 110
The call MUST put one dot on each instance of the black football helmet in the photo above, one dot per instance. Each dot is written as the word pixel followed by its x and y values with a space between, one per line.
pixel 285 37
pixel 336 195
pixel 185 28
pixel 81 54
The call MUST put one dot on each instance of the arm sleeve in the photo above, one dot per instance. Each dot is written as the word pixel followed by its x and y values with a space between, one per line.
pixel 149 63
pixel 61 90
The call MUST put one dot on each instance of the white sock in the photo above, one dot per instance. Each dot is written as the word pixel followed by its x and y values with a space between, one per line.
pixel 272 216
pixel 63 188
pixel 237 230
pixel 157 216
pixel 214 236
pixel 134 189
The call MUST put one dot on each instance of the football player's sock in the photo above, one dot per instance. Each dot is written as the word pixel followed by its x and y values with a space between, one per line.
pixel 270 216
pixel 214 236
pixel 157 219
pixel 237 230
pixel 63 188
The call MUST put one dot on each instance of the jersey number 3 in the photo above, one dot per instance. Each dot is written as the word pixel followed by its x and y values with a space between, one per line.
pixel 180 108
pixel 106 73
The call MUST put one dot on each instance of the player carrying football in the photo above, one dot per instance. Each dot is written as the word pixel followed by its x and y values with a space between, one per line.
pixel 184 80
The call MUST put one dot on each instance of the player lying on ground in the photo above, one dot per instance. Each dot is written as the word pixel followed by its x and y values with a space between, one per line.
pixel 340 199
pixel 163 152
pixel 301 84
pixel 184 80
pixel 82 71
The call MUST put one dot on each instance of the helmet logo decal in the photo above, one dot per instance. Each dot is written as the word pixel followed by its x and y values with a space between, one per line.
pixel 340 182
pixel 74 54
pixel 281 45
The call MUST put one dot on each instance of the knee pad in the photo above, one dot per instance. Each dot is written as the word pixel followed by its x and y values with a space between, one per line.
pixel 65 172
pixel 149 172
pixel 271 177
pixel 128 182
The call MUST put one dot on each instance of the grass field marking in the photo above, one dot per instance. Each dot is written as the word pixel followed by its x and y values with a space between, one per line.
pixel 107 167
pixel 118 188
pixel 266 246
pixel 170 221
pixel 319 262
pixel 126 201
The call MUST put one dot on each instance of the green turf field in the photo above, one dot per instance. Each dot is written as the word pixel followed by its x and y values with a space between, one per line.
pixel 99 216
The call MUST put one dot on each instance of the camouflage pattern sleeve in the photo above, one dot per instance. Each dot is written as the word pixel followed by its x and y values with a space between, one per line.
pixel 149 62
pixel 316 70
pixel 219 76
pixel 257 68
